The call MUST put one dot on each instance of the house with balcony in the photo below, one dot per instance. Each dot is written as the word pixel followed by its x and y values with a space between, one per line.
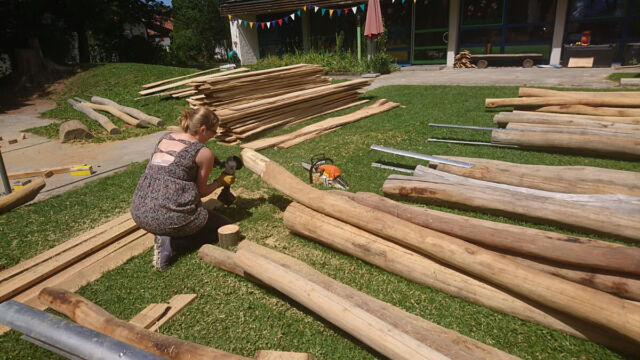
pixel 433 31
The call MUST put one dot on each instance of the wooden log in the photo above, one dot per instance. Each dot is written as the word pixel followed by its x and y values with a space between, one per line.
pixel 73 129
pixel 442 277
pixel 129 110
pixel 103 120
pixel 562 179
pixel 564 100
pixel 221 258
pixel 387 329
pixel 117 113
pixel 588 110
pixel 566 249
pixel 94 317
pixel 532 117
pixel 229 235
pixel 609 146
pixel 572 129
pixel 153 84
pixel 533 92
pixel 618 219
pixel 21 196
pixel 379 106
pixel 40 172
pixel 600 308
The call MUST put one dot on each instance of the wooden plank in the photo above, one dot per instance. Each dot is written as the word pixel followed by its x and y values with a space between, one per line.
pixel 41 172
pixel 150 315
pixel 176 304
pixel 533 56
pixel 580 62
pixel 153 84
pixel 37 272
pixel 88 269
pixel 425 270
pixel 576 300
pixel 187 81
pixel 292 142
pixel 21 196
pixel 281 355
pixel 94 317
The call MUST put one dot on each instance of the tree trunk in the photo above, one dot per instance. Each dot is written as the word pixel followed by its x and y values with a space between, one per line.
pixel 599 122
pixel 524 92
pixel 554 101
pixel 600 308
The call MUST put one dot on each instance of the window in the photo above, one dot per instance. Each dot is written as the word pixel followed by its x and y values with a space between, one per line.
pixel 481 12
pixel 585 9
pixel 531 11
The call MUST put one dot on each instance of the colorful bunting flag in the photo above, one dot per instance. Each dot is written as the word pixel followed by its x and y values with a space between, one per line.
pixel 346 11
pixel 323 10
pixel 354 9
pixel 229 17
pixel 251 24
pixel 262 25
pixel 245 23
pixel 316 9
pixel 293 16
pixel 268 25
pixel 339 12
pixel 280 22
pixel 330 12
pixel 286 20
pixel 362 7
pixel 299 13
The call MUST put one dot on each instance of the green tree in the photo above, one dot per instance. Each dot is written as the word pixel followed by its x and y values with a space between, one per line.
pixel 200 34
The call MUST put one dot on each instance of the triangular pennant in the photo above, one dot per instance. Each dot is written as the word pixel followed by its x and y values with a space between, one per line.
pixel 250 24
pixel 262 25
pixel 362 7
pixel 273 23
pixel 323 10
pixel 403 1
pixel 293 16
pixel 299 13
pixel 316 9
pixel 304 8
pixel 346 11
pixel 286 20
pixel 393 1
pixel 280 22
pixel 330 12
pixel 245 23
pixel 229 17
pixel 354 9
pixel 268 25
pixel 339 12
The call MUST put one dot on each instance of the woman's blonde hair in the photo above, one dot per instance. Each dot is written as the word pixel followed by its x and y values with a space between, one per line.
pixel 192 120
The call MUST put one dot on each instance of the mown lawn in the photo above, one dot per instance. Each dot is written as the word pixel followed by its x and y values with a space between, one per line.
pixel 235 315
pixel 617 76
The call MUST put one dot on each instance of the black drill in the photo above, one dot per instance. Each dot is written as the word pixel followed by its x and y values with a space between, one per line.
pixel 230 165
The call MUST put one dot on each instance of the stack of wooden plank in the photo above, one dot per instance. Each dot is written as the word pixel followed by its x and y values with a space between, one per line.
pixel 160 88
pixel 255 118
pixel 75 262
pixel 464 258
pixel 229 91
pixel 607 123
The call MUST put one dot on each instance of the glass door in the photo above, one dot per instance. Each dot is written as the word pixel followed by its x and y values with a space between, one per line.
pixel 431 31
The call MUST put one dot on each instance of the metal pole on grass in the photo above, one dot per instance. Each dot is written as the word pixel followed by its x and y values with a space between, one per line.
pixel 421 156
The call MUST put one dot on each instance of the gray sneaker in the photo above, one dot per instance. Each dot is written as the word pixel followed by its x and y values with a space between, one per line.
pixel 162 252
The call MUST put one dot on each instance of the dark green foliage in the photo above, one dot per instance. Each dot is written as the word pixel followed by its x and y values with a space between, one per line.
pixel 198 32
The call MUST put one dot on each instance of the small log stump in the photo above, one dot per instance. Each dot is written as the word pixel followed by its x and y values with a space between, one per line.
pixel 74 129
pixel 229 235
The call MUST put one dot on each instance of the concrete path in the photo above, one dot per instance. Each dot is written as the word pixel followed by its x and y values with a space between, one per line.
pixel 505 76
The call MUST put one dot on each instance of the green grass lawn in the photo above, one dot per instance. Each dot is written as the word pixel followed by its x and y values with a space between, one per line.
pixel 617 76
pixel 235 315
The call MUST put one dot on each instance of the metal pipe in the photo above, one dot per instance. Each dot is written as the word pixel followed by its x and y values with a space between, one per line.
pixel 382 166
pixel 3 176
pixel 472 143
pixel 462 127
pixel 421 156
pixel 68 337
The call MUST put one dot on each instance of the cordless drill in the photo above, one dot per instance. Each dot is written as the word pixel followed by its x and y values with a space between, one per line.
pixel 230 166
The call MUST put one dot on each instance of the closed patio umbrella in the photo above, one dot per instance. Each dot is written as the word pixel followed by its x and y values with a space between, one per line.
pixel 373 25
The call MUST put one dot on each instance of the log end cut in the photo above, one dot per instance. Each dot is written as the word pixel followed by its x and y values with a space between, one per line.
pixel 74 129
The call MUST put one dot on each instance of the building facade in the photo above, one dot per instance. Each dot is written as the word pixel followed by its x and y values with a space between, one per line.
pixel 433 31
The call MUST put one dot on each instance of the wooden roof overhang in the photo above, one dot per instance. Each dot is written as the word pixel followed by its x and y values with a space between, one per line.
pixel 244 7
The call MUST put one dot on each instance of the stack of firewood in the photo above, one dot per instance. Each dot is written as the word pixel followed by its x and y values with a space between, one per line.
pixel 463 60
pixel 607 123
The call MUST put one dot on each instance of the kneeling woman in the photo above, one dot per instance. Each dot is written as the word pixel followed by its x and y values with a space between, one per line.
pixel 167 202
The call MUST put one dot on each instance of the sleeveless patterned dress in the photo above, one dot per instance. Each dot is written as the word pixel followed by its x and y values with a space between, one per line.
pixel 167 201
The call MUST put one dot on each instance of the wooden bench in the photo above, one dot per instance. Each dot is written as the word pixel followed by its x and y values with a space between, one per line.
pixel 482 60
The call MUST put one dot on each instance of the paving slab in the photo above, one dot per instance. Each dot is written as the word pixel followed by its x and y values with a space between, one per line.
pixel 630 81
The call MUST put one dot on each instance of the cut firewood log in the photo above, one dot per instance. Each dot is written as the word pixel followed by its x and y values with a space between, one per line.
pixel 524 241
pixel 572 129
pixel 229 235
pixel 117 113
pixel 408 326
pixel 21 196
pixel 129 110
pixel 562 179
pixel 532 92
pixel 73 129
pixel 153 84
pixel 103 120
pixel 587 110
pixel 379 106
pixel 614 215
pixel 601 308
pixel 424 270
pixel 96 318
pixel 533 117
pixel 619 101
pixel 608 146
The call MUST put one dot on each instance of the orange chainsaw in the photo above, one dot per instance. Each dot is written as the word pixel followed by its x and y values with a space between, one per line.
pixel 325 171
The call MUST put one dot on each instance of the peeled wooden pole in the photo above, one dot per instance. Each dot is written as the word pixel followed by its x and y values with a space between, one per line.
pixel 94 317
pixel 22 195
pixel 434 340
pixel 601 214
pixel 129 110
pixel 576 300
pixel 524 92
pixel 117 113
pixel 629 120
pixel 573 129
pixel 599 122
pixel 583 252
pixel 424 270
pixel 103 120
pixel 563 179
pixel 564 100
pixel 602 145
pixel 588 110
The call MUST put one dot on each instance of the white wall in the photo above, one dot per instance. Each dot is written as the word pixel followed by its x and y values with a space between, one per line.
pixel 558 32
pixel 245 41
